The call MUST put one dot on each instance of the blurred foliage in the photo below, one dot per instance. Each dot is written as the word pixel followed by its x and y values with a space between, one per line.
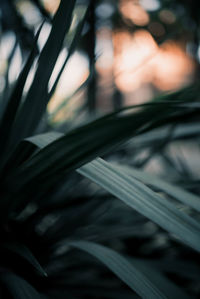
pixel 165 20
pixel 65 213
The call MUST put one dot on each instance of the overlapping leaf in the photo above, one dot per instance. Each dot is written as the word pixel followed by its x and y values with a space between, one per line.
pixel 144 200
pixel 178 193
pixel 36 100
pixel 89 141
pixel 14 102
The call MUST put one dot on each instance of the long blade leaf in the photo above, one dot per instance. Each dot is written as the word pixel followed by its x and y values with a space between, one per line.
pixel 178 193
pixel 36 100
pixel 131 273
pixel 18 287
pixel 26 254
pixel 86 143
pixel 15 99
pixel 70 51
pixel 144 200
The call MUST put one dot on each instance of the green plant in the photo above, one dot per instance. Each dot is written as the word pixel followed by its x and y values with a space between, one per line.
pixel 52 217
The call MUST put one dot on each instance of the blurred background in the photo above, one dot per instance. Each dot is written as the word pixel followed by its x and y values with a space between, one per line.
pixel 130 51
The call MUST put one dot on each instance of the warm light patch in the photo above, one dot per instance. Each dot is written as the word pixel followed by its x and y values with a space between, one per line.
pixel 134 12
pixel 138 60
pixel 75 73
pixel 132 54
pixel 172 67
pixel 51 5
pixel 130 81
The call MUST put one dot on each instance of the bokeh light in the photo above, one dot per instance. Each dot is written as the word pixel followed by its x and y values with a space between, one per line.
pixel 51 6
pixel 136 57
pixel 134 12
pixel 172 67
pixel 133 53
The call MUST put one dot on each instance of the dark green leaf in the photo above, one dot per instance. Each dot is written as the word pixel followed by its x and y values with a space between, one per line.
pixel 43 140
pixel 144 200
pixel 25 253
pixel 178 193
pixel 15 100
pixel 18 287
pixel 70 51
pixel 89 141
pixel 36 100
pixel 132 274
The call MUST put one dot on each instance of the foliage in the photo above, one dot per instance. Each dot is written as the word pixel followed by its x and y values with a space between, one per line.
pixel 66 214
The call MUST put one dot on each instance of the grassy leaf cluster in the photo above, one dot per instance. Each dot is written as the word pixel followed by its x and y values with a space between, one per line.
pixel 74 225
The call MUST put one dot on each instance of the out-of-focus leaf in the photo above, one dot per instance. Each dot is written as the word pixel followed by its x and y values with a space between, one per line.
pixel 18 287
pixel 42 140
pixel 15 99
pixel 41 9
pixel 70 51
pixel 25 253
pixel 154 136
pixel 132 274
pixel 36 100
pixel 5 94
pixel 189 270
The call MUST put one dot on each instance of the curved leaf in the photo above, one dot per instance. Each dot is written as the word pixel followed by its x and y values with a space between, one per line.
pixel 18 287
pixel 89 141
pixel 132 274
pixel 178 193
pixel 25 253
pixel 144 200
